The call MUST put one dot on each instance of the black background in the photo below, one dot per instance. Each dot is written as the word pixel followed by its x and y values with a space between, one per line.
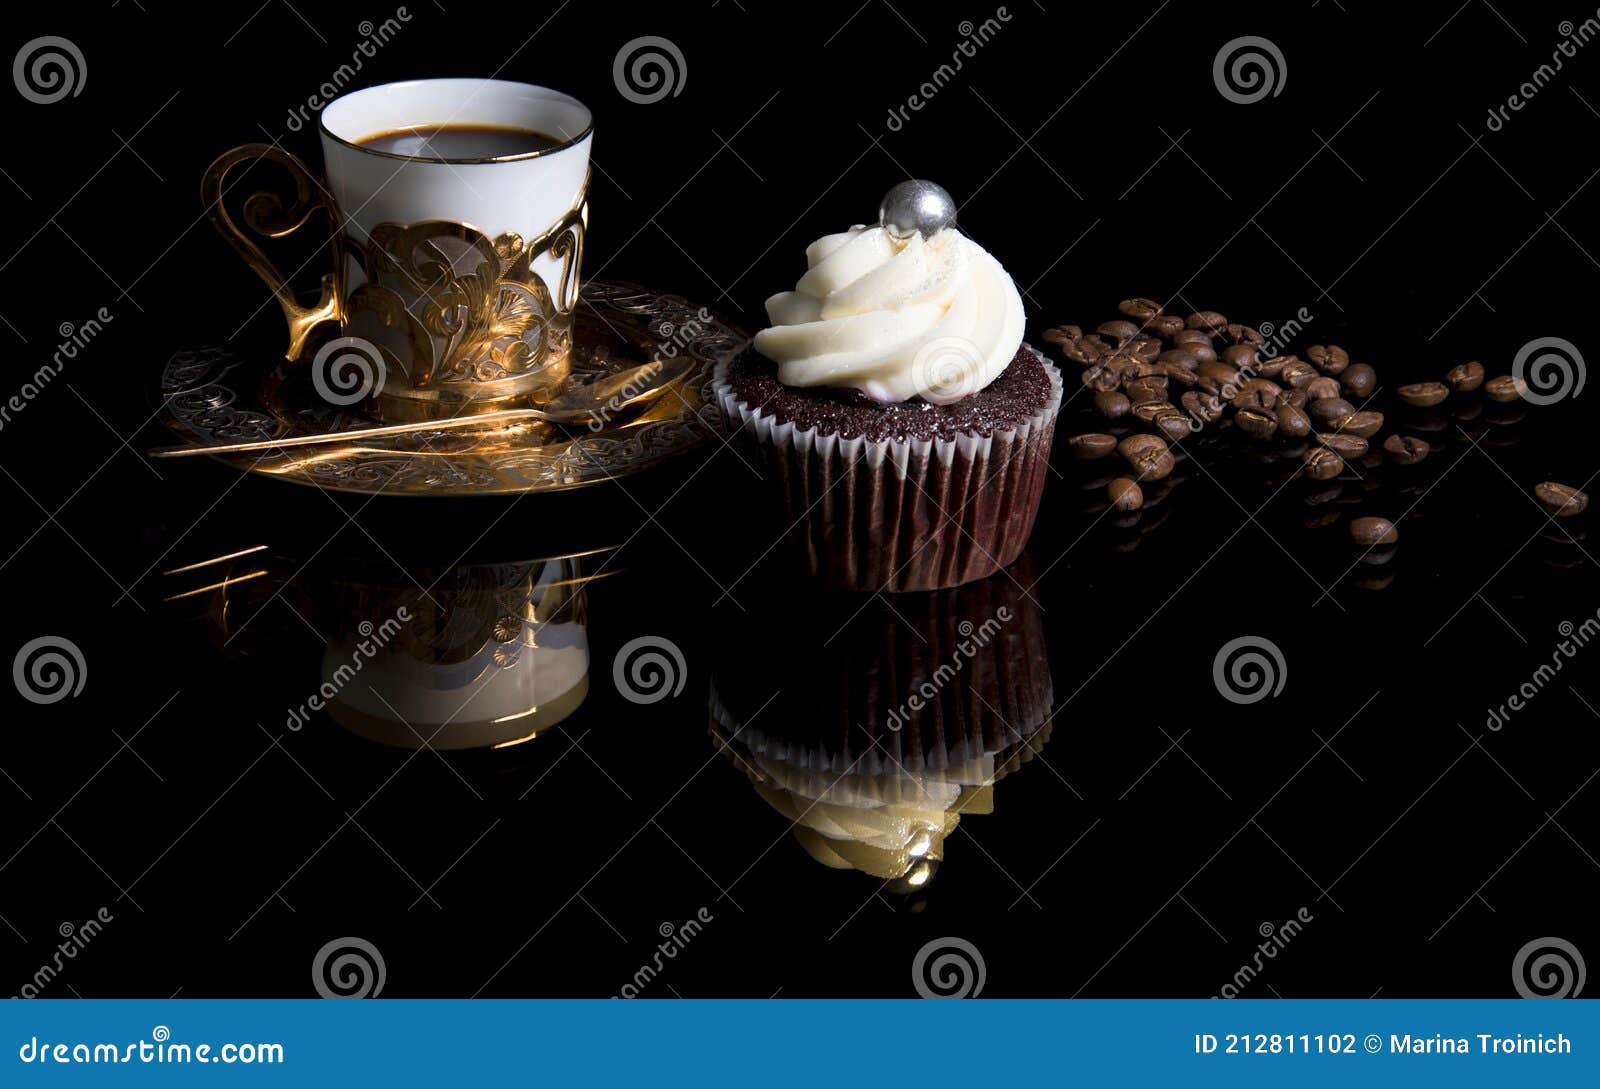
pixel 1161 826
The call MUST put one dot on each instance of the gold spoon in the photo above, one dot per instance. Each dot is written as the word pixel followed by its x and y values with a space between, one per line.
pixel 579 404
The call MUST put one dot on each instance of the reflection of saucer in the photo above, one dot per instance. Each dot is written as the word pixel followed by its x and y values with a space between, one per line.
pixel 214 395
pixel 873 739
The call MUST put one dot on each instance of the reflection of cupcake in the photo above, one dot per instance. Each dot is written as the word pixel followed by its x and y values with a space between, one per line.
pixel 874 738
pixel 894 400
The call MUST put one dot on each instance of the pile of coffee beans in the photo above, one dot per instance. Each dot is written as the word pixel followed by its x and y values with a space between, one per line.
pixel 1159 381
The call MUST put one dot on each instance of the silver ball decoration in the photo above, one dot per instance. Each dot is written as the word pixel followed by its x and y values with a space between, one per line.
pixel 916 207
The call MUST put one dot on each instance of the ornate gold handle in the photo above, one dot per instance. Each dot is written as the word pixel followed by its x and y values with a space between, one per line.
pixel 268 216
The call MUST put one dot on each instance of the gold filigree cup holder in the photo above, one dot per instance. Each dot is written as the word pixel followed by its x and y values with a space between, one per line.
pixel 215 395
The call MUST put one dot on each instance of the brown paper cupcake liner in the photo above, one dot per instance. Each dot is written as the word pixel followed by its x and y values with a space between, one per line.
pixel 903 514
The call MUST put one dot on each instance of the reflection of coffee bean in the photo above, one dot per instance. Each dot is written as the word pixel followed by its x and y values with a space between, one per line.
pixel 1423 394
pixel 1373 531
pixel 1329 409
pixel 1405 450
pixel 1465 378
pixel 1093 444
pixel 1365 424
pixel 1359 380
pixel 1323 464
pixel 1504 389
pixel 1346 446
pixel 1125 494
pixel 1561 500
pixel 1112 404
pixel 1328 358
pixel 1292 423
pixel 1139 309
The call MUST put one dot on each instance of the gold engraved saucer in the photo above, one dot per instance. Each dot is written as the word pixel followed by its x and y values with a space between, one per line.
pixel 213 395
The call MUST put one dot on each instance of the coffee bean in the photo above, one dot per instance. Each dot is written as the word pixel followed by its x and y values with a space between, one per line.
pixel 1297 374
pixel 1125 494
pixel 1242 356
pixel 1328 358
pixel 1147 410
pixel 1147 388
pixel 1178 357
pixel 1144 347
pixel 1257 399
pixel 1111 404
pixel 1209 320
pixel 1257 423
pixel 1147 455
pixel 1062 334
pixel 1359 380
pixel 1365 424
pixel 1119 331
pixel 1295 397
pixel 1321 388
pixel 1218 372
pixel 1503 389
pixel 1405 450
pixel 1322 463
pixel 1329 409
pixel 1167 325
pixel 1139 309
pixel 1100 378
pixel 1273 368
pixel 1345 445
pixel 1371 531
pixel 1131 369
pixel 1423 394
pixel 1190 335
pixel 1244 334
pixel 1179 374
pixel 1465 378
pixel 1266 384
pixel 1173 424
pixel 1091 445
pixel 1203 352
pixel 1202 406
pixel 1292 423
pixel 1561 500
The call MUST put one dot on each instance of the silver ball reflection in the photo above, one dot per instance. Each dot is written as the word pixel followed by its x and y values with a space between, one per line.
pixel 916 207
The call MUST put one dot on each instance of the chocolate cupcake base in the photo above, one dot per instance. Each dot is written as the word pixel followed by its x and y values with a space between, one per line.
pixel 905 497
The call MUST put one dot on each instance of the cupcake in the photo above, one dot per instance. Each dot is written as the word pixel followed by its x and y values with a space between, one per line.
pixel 892 399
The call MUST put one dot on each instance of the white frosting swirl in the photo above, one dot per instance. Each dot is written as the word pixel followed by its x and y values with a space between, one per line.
pixel 935 318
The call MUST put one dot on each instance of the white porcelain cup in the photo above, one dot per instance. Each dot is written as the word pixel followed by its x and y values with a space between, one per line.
pixel 454 280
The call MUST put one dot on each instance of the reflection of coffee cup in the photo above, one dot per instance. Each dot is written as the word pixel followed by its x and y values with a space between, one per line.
pixel 456 271
pixel 892 724
pixel 489 656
